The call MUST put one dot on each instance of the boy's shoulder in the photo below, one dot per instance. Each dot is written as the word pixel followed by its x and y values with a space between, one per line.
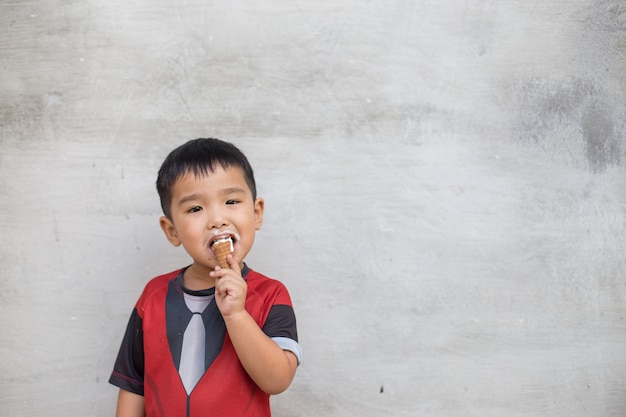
pixel 257 278
pixel 159 283
pixel 163 279
pixel 266 286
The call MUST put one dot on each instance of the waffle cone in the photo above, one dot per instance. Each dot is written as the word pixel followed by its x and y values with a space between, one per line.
pixel 222 249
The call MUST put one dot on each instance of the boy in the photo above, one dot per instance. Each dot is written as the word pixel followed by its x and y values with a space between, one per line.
pixel 207 340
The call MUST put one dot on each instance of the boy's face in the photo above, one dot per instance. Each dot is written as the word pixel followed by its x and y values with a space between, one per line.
pixel 209 207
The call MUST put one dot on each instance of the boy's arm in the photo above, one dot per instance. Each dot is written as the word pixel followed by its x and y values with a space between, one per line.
pixel 130 405
pixel 269 366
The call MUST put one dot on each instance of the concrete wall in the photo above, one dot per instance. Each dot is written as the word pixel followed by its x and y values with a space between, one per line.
pixel 444 185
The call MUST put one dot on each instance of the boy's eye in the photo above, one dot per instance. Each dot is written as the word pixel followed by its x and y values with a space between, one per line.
pixel 231 201
pixel 194 209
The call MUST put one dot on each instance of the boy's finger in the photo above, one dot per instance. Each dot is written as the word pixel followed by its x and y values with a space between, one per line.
pixel 233 265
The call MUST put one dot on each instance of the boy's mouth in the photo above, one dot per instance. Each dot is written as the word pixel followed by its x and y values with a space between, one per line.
pixel 223 237
pixel 222 245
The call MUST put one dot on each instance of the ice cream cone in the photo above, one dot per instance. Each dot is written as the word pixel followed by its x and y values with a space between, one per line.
pixel 222 248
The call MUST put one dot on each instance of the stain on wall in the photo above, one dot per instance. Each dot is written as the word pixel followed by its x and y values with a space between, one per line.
pixel 576 113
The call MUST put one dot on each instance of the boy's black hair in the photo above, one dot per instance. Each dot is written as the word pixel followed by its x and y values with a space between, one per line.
pixel 200 157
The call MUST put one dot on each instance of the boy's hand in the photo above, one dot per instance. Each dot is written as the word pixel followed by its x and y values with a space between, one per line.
pixel 230 288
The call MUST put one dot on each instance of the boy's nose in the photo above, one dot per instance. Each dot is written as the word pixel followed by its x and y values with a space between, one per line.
pixel 217 220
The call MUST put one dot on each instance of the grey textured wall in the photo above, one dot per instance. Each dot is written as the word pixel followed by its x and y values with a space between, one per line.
pixel 445 190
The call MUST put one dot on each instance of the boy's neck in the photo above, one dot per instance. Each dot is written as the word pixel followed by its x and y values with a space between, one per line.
pixel 197 278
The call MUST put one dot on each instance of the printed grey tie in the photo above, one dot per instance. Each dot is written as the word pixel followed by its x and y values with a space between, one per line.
pixel 192 356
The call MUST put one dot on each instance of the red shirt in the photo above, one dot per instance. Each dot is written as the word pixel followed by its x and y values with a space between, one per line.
pixel 150 352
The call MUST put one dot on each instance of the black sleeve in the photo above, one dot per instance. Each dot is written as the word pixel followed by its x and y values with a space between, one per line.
pixel 129 367
pixel 281 322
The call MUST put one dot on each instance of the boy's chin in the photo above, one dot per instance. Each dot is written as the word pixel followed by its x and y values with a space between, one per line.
pixel 204 265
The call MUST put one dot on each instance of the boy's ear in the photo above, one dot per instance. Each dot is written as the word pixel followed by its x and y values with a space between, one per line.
pixel 170 231
pixel 259 207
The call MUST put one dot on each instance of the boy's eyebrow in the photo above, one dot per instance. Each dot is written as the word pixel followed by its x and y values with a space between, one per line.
pixel 233 190
pixel 190 197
